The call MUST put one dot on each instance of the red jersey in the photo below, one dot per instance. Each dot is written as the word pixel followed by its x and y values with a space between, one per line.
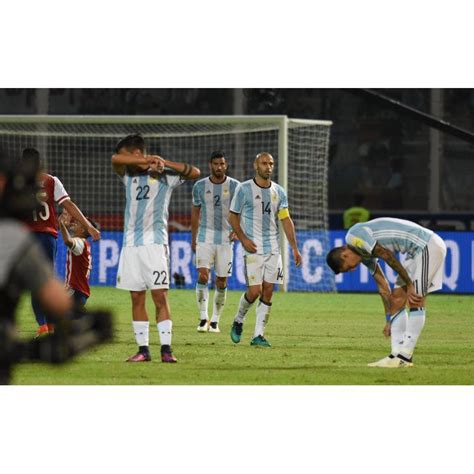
pixel 46 220
pixel 79 265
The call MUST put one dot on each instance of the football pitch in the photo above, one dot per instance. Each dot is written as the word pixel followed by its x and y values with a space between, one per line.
pixel 318 339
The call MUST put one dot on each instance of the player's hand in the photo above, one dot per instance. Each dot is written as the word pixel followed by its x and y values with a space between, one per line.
pixel 387 330
pixel 64 219
pixel 249 245
pixel 156 163
pixel 414 299
pixel 94 233
pixel 297 256
pixel 233 237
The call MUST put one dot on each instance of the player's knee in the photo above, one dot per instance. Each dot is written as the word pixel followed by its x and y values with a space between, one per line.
pixel 397 301
pixel 221 282
pixel 203 275
pixel 253 293
pixel 138 298
pixel 160 297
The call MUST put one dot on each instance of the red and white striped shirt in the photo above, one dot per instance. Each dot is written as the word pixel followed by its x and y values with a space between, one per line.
pixel 46 220
pixel 79 265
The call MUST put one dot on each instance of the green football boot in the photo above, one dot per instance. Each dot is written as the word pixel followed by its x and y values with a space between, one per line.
pixel 236 331
pixel 260 341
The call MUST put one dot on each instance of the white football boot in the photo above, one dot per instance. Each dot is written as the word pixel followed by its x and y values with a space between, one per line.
pixel 203 325
pixel 391 363
pixel 214 329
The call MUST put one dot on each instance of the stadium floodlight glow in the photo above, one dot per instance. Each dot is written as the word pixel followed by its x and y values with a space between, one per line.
pixel 78 150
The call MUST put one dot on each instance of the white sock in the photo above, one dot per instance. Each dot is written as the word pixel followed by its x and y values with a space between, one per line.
pixel 202 297
pixel 263 313
pixel 164 331
pixel 244 307
pixel 218 306
pixel 397 329
pixel 141 330
pixel 416 322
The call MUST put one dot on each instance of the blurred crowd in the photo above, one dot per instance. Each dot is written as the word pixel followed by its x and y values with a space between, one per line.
pixel 374 150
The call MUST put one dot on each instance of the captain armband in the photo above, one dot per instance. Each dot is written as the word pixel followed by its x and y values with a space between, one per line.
pixel 283 213
pixel 187 170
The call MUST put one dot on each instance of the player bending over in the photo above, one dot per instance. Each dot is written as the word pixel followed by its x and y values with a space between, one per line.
pixel 255 208
pixel 212 238
pixel 421 273
pixel 79 258
pixel 149 181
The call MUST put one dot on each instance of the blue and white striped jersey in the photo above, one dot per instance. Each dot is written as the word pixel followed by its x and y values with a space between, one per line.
pixel 214 201
pixel 397 235
pixel 258 208
pixel 146 209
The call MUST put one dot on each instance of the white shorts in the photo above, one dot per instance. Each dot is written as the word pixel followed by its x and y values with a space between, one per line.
pixel 427 268
pixel 258 268
pixel 144 268
pixel 217 256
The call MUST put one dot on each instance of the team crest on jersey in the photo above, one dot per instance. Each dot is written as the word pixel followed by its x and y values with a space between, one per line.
pixel 152 180
pixel 225 191
pixel 356 242
pixel 274 197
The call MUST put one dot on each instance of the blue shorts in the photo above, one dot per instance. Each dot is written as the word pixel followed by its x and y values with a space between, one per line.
pixel 80 299
pixel 48 243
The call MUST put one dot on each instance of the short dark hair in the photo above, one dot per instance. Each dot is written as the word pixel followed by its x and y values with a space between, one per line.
pixel 334 260
pixel 131 142
pixel 33 156
pixel 217 154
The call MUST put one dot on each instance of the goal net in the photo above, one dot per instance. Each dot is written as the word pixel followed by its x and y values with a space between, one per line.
pixel 78 151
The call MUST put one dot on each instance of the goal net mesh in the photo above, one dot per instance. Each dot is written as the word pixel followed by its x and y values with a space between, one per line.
pixel 79 154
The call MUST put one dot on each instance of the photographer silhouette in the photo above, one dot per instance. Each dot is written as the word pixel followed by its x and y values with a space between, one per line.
pixel 24 267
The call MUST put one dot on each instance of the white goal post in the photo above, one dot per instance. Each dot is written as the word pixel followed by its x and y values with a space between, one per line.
pixel 78 149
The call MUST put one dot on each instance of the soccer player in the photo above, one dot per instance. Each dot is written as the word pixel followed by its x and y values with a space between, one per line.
pixel 44 223
pixel 79 258
pixel 144 259
pixel 212 238
pixel 421 273
pixel 255 208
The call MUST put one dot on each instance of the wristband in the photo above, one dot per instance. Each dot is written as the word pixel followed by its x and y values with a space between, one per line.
pixel 388 317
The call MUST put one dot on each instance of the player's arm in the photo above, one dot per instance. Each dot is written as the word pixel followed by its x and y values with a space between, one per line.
pixel 65 233
pixel 120 161
pixel 188 172
pixel 76 213
pixel 195 218
pixel 385 293
pixel 289 229
pixel 388 256
pixel 234 221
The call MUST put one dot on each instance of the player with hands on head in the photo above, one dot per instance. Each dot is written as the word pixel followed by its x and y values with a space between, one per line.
pixel 420 273
pixel 44 222
pixel 257 206
pixel 79 257
pixel 149 181
pixel 212 238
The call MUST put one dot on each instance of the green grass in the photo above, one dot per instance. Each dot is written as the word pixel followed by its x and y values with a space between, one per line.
pixel 317 339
